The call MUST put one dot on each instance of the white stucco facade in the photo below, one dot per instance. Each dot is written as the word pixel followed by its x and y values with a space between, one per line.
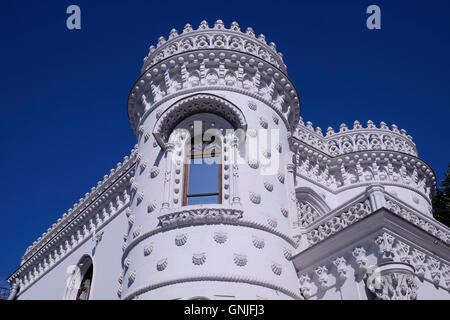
pixel 302 214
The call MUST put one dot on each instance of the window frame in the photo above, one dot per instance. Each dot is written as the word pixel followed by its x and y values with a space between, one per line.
pixel 191 155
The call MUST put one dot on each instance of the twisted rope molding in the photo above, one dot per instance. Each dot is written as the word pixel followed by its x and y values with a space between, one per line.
pixel 219 278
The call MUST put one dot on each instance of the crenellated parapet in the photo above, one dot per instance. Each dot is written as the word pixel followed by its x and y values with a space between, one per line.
pixel 214 68
pixel 215 37
pixel 358 138
pixel 360 156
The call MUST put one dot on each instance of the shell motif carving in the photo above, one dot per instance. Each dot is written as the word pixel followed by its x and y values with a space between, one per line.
pixel 140 197
pixel 154 172
pixel 253 163
pixel 134 186
pixel 272 222
pixel 162 264
pixel 258 242
pixel 263 123
pixel 268 186
pixel 148 249
pixel 146 136
pixel 119 292
pixel 180 239
pixel 287 253
pixel 198 258
pixel 131 220
pixel 124 247
pixel 120 280
pixel 143 165
pixel 220 237
pixel 276 268
pixel 252 105
pixel 275 118
pixel 132 277
pixel 240 259
pixel 280 177
pixel 155 144
pixel 127 262
pixel 152 206
pixel 137 232
pixel 255 197
pixel 284 212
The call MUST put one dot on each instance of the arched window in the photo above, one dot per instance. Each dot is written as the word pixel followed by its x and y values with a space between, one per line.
pixel 79 282
pixel 203 172
pixel 85 285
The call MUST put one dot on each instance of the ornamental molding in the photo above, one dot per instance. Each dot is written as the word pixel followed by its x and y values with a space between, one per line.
pixel 361 207
pixel 214 215
pixel 194 104
pixel 236 278
pixel 395 278
pixel 216 37
pixel 392 281
pixel 361 168
pixel 213 70
pixel 86 220
pixel 356 139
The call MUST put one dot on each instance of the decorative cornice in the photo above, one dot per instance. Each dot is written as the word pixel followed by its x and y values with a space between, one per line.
pixel 360 168
pixel 356 139
pixel 213 70
pixel 86 219
pixel 217 37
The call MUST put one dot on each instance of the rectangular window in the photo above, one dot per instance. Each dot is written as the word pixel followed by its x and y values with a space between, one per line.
pixel 203 178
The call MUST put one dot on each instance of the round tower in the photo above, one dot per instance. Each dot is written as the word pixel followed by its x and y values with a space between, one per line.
pixel 209 217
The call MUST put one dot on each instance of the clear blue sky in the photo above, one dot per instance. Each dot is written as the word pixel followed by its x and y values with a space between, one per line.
pixel 63 93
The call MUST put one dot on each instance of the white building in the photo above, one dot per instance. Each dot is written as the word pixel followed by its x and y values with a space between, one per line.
pixel 288 212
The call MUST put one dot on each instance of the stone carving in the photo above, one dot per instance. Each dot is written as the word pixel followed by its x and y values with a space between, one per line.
pixel 385 246
pixel 280 177
pixel 180 239
pixel 148 249
pixel 360 258
pixel 395 284
pixel 322 276
pixel 151 207
pixel 220 237
pixel 284 212
pixel 287 253
pixel 198 258
pixel 240 259
pixel 132 277
pixel 258 242
pixel 306 213
pixel 419 220
pixel 268 186
pixel 305 285
pixel 276 268
pixel 272 222
pixel 263 123
pixel 199 215
pixel 154 172
pixel 356 139
pixel 338 222
pixel 252 105
pixel 341 267
pixel 162 264
pixel 253 163
pixel 255 197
